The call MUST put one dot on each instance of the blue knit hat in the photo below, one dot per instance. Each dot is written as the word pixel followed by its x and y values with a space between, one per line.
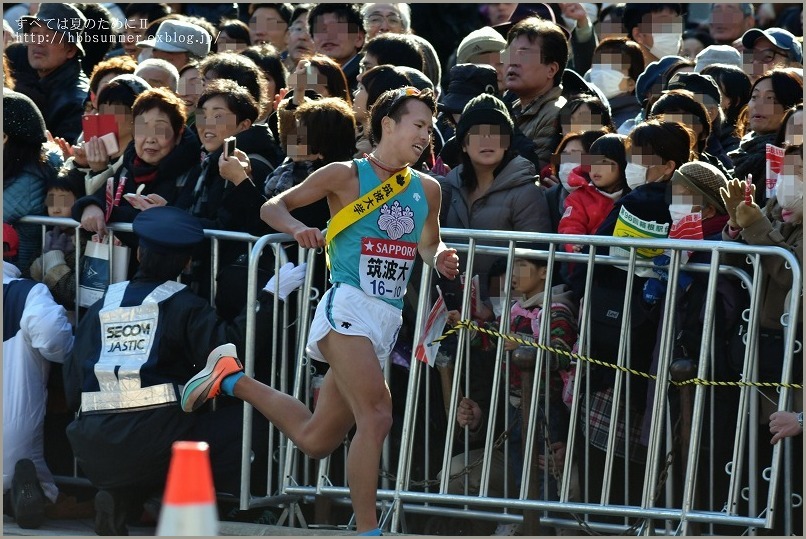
pixel 652 76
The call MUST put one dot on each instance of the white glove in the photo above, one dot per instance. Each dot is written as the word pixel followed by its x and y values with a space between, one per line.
pixel 289 277
pixel 52 259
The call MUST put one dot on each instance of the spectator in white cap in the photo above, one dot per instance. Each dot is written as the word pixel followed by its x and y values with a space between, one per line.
pixel 730 21
pixel 179 42
pixel 717 54
pixel 483 46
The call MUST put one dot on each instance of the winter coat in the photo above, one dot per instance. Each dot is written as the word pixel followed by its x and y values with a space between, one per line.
pixel 585 209
pixel 647 202
pixel 513 202
pixel 95 180
pixel 751 158
pixel 172 173
pixel 221 205
pixel 555 197
pixel 25 195
pixel 525 317
pixel 728 138
pixel 65 91
pixel 218 202
pixel 623 107
pixel 776 279
pixel 717 153
pixel 36 333
pixel 539 121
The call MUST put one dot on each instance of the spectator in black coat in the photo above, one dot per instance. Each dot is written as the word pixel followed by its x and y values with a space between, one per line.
pixel 54 51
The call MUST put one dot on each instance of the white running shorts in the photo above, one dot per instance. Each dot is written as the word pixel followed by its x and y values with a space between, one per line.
pixel 349 311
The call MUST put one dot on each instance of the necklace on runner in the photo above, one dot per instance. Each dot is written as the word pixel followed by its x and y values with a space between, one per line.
pixel 380 164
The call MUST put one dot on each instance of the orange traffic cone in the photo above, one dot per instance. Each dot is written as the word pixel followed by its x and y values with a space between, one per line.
pixel 189 506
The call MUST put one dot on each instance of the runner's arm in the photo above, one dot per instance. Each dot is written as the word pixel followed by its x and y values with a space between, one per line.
pixel 276 212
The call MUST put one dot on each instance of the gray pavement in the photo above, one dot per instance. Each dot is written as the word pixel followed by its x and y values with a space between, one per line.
pixel 85 527
pixel 80 528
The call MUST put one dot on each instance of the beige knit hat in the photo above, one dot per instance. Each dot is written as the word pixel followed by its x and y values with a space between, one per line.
pixel 705 179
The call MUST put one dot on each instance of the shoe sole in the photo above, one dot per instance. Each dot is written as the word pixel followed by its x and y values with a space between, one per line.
pixel 221 362
pixel 27 497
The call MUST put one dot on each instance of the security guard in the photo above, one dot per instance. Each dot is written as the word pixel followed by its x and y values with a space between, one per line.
pixel 135 349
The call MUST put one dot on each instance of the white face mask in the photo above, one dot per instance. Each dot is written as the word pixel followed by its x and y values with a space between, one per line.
pixel 564 173
pixel 665 44
pixel 607 80
pixel 789 192
pixel 635 174
pixel 679 211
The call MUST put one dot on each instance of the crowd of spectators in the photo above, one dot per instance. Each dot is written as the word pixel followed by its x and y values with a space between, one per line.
pixel 564 118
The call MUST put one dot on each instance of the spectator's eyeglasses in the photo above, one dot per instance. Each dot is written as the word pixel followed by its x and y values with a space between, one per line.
pixel 763 56
pixel 376 19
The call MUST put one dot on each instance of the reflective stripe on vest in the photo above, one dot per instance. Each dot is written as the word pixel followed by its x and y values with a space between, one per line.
pixel 127 343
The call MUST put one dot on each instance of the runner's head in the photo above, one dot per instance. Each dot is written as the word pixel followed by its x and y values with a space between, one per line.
pixel 404 115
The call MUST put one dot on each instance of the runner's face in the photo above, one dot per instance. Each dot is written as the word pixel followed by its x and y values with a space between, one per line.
pixel 412 133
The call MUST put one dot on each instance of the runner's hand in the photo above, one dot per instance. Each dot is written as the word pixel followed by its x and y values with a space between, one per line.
pixel 447 263
pixel 309 238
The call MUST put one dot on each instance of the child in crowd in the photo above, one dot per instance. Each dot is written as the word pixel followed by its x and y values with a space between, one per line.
pixel 529 286
pixel 566 158
pixel 56 266
pixel 587 206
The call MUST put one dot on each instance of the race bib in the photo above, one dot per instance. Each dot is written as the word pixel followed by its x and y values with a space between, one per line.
pixel 385 267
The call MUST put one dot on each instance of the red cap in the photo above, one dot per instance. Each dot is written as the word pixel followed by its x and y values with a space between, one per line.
pixel 11 241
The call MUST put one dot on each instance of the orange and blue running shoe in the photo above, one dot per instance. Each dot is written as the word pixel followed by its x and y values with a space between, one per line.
pixel 205 385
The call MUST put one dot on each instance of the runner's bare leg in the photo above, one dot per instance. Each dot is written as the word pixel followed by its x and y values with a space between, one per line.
pixel 318 434
pixel 354 392
pixel 361 382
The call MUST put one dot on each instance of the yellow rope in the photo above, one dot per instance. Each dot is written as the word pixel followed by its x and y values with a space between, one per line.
pixel 467 324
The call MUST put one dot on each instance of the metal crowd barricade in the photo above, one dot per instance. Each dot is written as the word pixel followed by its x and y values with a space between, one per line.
pixel 280 340
pixel 670 508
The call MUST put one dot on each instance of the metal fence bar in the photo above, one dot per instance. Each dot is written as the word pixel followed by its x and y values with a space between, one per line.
pixel 405 496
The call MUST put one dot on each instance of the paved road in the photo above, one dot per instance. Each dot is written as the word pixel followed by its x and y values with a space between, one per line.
pixel 85 527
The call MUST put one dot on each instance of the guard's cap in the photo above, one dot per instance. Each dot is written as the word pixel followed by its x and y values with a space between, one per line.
pixel 168 230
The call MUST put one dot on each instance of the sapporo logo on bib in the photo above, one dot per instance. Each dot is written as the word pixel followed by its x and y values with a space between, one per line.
pixel 385 266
